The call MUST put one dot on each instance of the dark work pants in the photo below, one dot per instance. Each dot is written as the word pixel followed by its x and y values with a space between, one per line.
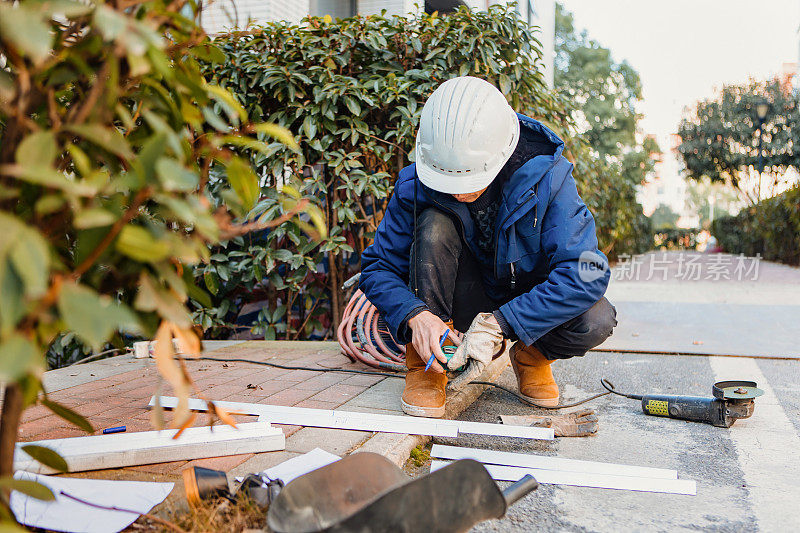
pixel 447 277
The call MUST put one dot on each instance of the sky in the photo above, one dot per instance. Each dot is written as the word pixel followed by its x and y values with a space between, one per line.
pixel 684 49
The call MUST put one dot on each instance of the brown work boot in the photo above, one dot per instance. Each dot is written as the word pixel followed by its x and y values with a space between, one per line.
pixel 424 393
pixel 534 376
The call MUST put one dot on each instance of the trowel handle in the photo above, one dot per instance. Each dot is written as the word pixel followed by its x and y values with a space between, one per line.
pixel 519 489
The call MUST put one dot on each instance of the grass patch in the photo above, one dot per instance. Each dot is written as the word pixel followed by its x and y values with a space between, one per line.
pixel 217 515
pixel 420 455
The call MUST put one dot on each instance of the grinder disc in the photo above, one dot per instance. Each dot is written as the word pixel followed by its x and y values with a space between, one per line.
pixel 736 390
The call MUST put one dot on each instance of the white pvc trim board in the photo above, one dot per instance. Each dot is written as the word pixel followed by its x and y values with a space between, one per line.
pixel 583 479
pixel 543 462
pixel 148 447
pixel 304 416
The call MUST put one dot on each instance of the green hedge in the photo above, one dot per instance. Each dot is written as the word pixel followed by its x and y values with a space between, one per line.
pixel 770 228
pixel 352 90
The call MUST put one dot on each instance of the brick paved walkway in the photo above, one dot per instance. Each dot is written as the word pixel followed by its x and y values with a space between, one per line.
pixel 122 398
pixel 116 391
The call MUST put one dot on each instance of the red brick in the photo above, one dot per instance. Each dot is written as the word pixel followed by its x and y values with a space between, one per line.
pixel 95 407
pixel 225 391
pixel 287 429
pixel 40 425
pixel 317 404
pixel 338 393
pixel 122 413
pixel 363 380
pixel 134 384
pixel 299 375
pixel 220 463
pixel 288 397
pixel 321 382
pixel 161 468
pixel 55 433
pixel 263 390
pixel 211 380
pixel 34 412
pixel 133 374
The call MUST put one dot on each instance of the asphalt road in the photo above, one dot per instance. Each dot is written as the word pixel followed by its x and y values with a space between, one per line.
pixel 748 476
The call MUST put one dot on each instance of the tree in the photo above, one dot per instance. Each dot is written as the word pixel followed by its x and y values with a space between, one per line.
pixel 108 137
pixel 354 89
pixel 602 95
pixel 720 138
pixel 702 197
pixel 664 217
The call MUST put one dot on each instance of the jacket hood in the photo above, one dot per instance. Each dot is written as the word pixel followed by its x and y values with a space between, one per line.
pixel 538 164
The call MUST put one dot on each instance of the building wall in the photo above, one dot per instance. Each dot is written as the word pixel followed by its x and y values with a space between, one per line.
pixel 392 7
pixel 226 15
pixel 335 8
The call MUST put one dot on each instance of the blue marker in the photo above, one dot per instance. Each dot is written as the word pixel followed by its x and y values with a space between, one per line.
pixel 118 429
pixel 441 343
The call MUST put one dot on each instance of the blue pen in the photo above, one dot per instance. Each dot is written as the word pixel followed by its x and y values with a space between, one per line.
pixel 118 429
pixel 441 343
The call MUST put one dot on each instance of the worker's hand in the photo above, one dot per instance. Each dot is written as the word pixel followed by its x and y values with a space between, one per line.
pixel 483 339
pixel 426 332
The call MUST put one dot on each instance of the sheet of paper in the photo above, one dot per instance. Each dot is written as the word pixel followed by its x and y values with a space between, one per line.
pixel 302 464
pixel 65 514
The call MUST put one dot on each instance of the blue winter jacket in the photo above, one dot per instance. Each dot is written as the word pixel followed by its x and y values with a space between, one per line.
pixel 544 236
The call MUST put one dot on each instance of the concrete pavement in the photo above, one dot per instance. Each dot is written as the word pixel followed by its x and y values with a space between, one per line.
pixel 748 476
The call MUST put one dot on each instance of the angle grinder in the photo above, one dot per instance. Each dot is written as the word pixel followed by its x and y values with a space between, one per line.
pixel 732 400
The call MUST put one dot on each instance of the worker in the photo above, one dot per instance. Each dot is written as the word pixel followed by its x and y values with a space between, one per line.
pixel 486 234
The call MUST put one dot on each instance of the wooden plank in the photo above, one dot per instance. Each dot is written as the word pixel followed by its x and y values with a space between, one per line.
pixel 584 479
pixel 542 462
pixel 97 452
pixel 305 416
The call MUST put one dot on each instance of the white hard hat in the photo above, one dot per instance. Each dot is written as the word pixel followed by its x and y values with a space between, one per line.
pixel 466 134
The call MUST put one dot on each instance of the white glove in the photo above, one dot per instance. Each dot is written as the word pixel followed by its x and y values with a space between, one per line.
pixel 483 339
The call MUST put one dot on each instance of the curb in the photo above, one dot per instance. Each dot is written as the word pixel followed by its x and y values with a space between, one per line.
pixel 397 447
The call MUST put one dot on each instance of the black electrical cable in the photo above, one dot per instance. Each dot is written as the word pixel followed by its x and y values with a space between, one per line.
pixel 520 397
pixel 611 389
pixel 523 399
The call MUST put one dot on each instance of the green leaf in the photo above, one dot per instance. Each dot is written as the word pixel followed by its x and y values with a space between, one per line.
pixel 31 259
pixel 68 8
pixel 107 138
pixel 25 30
pixel 278 133
pixel 244 182
pixel 18 356
pixel 93 317
pixel 138 243
pixel 232 107
pixel 110 23
pixel 31 488
pixel 310 126
pixel 249 143
pixel 12 306
pixel 46 456
pixel 505 84
pixel 37 149
pixel 174 176
pixel 93 218
pixel 153 297
pixel 49 203
pixel 48 177
pixel 199 295
pixel 353 106
pixel 211 281
pixel 208 52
